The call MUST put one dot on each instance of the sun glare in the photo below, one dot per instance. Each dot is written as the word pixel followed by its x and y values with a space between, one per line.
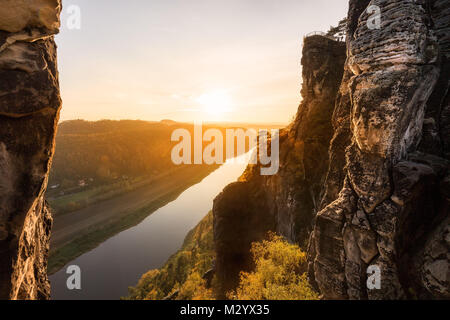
pixel 216 102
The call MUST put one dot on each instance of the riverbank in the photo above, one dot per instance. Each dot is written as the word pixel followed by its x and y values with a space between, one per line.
pixel 187 273
pixel 80 231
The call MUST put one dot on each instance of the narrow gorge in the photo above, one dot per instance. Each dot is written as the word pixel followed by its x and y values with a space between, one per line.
pixel 364 175
pixel 29 111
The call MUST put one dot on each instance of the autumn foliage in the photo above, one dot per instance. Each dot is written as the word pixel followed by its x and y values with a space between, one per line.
pixel 280 273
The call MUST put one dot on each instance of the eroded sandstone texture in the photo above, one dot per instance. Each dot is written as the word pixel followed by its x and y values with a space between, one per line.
pixel 392 210
pixel 29 109
pixel 365 165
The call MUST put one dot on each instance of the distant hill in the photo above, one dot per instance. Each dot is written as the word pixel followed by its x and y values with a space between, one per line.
pixel 98 152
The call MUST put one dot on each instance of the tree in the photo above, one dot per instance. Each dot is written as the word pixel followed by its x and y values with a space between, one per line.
pixel 280 273
pixel 339 31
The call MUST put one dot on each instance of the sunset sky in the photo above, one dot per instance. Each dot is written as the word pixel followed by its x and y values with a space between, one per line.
pixel 210 60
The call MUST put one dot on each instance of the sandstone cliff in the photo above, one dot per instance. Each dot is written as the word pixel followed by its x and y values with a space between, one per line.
pixel 365 165
pixel 245 211
pixel 29 109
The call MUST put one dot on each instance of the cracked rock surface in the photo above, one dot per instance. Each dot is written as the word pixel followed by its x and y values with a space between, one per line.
pixel 29 111
pixel 379 194
pixel 393 201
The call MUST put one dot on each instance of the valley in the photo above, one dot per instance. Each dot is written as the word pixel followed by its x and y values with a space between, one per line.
pixel 118 262
pixel 82 230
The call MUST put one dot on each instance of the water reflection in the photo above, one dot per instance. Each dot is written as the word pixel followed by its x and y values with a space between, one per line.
pixel 108 270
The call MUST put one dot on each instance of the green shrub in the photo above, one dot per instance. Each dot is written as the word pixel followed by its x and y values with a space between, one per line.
pixel 280 273
pixel 183 272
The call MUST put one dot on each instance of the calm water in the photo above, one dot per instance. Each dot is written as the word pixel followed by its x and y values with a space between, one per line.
pixel 108 270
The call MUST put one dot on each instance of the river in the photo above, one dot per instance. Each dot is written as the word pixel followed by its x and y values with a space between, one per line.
pixel 108 270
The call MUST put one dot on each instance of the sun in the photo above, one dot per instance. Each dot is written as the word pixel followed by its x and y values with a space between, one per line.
pixel 215 102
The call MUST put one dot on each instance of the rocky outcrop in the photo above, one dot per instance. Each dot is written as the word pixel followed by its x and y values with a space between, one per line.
pixel 365 163
pixel 245 211
pixel 29 110
pixel 391 202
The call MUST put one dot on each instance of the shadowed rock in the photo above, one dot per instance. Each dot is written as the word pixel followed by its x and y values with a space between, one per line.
pixel 379 195
pixel 245 211
pixel 396 98
pixel 29 110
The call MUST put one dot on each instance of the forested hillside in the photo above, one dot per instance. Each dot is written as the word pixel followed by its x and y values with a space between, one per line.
pixel 104 151
pixel 280 272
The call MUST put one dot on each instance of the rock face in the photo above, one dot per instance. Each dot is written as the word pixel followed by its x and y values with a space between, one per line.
pixel 29 110
pixel 392 200
pixel 245 211
pixel 365 165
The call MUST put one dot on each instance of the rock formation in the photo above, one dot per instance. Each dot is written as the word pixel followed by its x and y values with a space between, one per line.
pixel 364 169
pixel 365 165
pixel 394 197
pixel 29 110
pixel 245 211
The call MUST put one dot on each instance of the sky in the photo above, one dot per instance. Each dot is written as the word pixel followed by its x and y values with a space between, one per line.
pixel 187 60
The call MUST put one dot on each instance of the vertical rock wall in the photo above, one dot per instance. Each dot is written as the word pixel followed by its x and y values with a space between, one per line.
pixel 365 166
pixel 29 110
pixel 286 202
pixel 394 197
